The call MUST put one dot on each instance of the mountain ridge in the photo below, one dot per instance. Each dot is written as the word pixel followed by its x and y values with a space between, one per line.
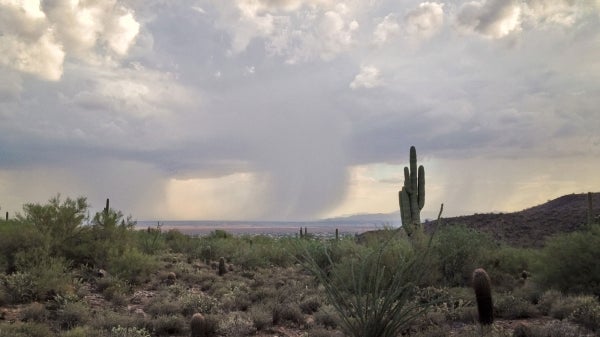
pixel 531 226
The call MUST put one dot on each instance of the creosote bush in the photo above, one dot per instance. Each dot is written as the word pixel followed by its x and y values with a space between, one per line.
pixel 569 262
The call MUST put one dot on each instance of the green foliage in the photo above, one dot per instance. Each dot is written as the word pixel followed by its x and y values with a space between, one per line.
pixel 569 262
pixel 151 241
pixel 59 221
pixel 587 313
pixel 376 301
pixel 17 237
pixel 28 329
pixel 506 264
pixel 169 325
pixel 511 307
pixel 458 251
pixel 49 275
pixel 120 331
pixel 132 265
pixel 236 325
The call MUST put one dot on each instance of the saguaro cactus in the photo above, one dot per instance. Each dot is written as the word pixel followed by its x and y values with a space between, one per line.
pixel 412 195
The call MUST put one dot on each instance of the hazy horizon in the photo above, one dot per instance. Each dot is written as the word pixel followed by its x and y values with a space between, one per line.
pixel 297 109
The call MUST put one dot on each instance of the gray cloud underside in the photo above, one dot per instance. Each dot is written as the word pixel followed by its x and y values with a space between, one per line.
pixel 197 97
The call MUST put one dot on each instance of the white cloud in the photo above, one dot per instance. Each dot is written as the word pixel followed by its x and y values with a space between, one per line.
pixel 386 29
pixel 37 37
pixel 425 20
pixel 369 77
pixel 42 57
pixel 491 18
pixel 563 12
pixel 297 30
pixel 499 18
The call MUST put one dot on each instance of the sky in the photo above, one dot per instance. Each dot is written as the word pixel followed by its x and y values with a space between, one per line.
pixel 297 109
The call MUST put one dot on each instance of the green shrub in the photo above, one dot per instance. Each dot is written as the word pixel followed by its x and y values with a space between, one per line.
pixel 151 241
pixel 34 312
pixel 549 329
pixel 287 313
pixel 371 293
pixel 17 237
pixel 113 288
pixel 59 221
pixel 587 313
pixel 120 331
pixel 511 307
pixel 50 275
pixel 105 319
pixel 85 331
pixel 132 266
pixel 548 299
pixel 326 317
pixel 569 262
pixel 236 325
pixel 198 303
pixel 72 314
pixel 20 287
pixel 458 251
pixel 261 315
pixel 169 325
pixel 165 306
pixel 310 304
pixel 28 329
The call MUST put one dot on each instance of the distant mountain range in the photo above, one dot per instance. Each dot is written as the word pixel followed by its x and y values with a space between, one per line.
pixel 527 228
pixel 392 218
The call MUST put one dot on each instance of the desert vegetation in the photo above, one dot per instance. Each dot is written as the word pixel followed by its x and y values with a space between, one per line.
pixel 64 273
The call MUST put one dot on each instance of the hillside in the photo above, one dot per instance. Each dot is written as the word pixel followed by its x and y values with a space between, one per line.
pixel 530 227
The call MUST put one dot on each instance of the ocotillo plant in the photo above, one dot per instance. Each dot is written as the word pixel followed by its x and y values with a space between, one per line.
pixel 483 295
pixel 412 195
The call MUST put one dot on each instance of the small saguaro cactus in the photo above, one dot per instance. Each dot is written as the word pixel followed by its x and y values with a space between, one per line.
pixel 199 326
pixel 222 268
pixel 483 294
pixel 412 195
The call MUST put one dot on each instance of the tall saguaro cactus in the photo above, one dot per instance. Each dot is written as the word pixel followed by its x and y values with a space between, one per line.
pixel 412 195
